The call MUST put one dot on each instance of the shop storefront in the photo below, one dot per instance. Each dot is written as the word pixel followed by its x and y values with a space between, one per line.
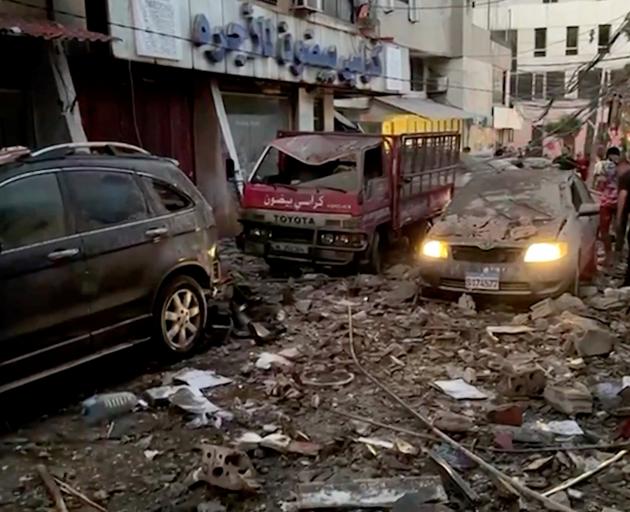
pixel 255 71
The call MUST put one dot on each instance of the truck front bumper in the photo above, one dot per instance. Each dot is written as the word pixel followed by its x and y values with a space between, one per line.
pixel 305 254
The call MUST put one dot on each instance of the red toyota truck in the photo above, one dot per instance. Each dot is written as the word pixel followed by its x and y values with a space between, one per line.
pixel 335 199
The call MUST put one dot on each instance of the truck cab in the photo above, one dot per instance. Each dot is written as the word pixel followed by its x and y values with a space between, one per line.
pixel 331 199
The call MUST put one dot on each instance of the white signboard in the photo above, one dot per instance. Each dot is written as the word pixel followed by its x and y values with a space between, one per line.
pixel 155 22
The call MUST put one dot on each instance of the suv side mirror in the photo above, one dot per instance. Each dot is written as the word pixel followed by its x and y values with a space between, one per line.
pixel 588 210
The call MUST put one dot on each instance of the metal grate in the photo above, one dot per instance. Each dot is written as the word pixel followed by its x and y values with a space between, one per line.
pixel 478 255
pixel 282 234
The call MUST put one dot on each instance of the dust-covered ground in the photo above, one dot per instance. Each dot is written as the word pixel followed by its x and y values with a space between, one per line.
pixel 147 459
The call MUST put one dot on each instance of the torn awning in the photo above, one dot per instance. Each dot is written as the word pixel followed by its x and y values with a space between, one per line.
pixel 47 29
pixel 320 149
pixel 424 108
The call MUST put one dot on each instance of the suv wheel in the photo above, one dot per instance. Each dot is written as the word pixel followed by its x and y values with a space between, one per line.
pixel 181 313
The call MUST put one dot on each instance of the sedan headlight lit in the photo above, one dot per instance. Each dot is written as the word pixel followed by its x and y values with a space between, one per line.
pixel 434 249
pixel 545 251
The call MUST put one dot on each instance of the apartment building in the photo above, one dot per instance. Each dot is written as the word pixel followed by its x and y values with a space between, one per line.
pixel 458 74
pixel 551 42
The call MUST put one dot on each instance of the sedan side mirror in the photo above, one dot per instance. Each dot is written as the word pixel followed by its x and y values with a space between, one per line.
pixel 588 210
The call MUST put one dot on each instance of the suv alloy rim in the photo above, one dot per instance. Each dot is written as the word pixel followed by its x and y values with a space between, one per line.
pixel 181 319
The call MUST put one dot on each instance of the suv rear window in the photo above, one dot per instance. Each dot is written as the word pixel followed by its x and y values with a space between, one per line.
pixel 31 211
pixel 105 198
pixel 170 199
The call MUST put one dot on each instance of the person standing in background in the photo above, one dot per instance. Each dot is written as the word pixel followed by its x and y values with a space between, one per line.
pixel 623 170
pixel 605 183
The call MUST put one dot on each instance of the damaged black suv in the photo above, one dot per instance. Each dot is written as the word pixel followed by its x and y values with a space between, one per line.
pixel 102 246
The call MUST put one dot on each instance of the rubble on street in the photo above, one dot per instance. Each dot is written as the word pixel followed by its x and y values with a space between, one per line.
pixel 524 409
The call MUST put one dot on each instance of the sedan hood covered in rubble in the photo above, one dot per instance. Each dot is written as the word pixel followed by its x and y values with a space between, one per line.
pixel 507 206
pixel 320 149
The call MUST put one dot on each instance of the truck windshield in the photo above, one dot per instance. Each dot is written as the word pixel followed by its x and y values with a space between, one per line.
pixel 277 168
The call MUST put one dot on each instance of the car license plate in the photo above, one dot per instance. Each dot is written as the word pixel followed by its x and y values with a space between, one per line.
pixel 290 248
pixel 482 281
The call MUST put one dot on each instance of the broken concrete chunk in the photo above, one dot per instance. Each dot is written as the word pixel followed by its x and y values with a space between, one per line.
pixel 595 342
pixel 267 360
pixel 403 291
pixel 303 306
pixel 467 304
pixel 568 302
pixel 543 309
pixel 569 400
pixel 451 422
pixel 376 493
pixel 460 389
pixel 523 232
pixel 226 468
pixel 526 381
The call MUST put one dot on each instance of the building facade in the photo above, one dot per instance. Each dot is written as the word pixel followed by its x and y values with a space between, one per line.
pixel 553 44
pixel 458 73
pixel 210 82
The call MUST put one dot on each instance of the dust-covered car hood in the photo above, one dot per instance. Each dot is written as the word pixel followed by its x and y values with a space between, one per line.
pixel 513 205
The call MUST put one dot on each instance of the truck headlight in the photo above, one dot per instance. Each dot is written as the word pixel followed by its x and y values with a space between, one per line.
pixel 259 232
pixel 327 238
pixel 545 251
pixel 434 249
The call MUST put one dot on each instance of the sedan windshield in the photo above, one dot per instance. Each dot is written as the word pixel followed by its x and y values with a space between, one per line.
pixel 512 193
pixel 278 168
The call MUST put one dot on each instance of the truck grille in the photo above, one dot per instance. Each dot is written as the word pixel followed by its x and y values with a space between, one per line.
pixel 292 235
pixel 478 255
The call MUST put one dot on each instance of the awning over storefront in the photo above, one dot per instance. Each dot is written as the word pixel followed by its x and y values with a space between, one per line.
pixel 424 107
pixel 47 29
pixel 507 119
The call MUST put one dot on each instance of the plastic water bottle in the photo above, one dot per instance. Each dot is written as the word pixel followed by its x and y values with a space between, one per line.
pixel 108 406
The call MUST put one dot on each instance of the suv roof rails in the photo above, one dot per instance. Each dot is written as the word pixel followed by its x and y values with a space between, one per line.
pixel 13 154
pixel 128 148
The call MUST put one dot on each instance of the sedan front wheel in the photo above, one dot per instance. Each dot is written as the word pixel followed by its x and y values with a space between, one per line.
pixel 181 311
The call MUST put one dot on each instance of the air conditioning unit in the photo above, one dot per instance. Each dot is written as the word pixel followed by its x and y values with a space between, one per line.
pixel 308 6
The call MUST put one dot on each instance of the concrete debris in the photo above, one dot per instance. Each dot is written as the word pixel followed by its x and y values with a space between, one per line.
pixel 565 428
pixel 493 330
pixel 205 412
pixel 467 304
pixel 460 389
pixel 595 342
pixel 226 468
pixel 568 302
pixel 211 506
pixel 543 309
pixel 199 379
pixel 375 493
pixel 562 498
pixel 571 400
pixel 278 442
pixel 528 381
pixel 267 360
pixel 303 306
pixel 403 291
pixel 603 303
pixel 451 422
pixel 523 232
pixel 539 463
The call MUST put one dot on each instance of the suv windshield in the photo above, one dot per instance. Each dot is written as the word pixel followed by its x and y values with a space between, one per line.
pixel 277 168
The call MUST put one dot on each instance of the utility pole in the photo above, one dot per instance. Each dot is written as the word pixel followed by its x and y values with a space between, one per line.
pixel 600 105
